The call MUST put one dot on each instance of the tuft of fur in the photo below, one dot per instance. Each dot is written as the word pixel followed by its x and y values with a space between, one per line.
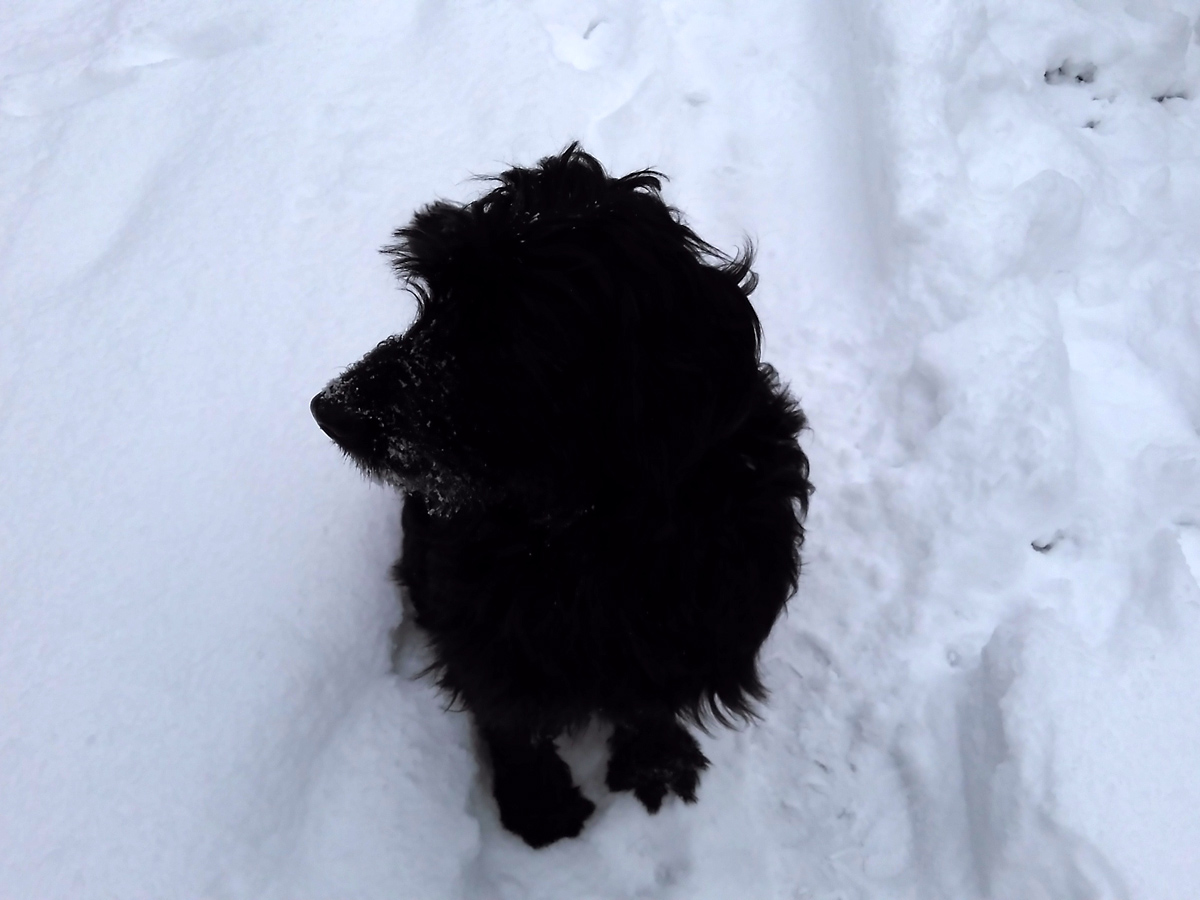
pixel 604 489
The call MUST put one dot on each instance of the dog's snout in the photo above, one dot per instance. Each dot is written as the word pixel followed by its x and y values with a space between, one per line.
pixel 346 427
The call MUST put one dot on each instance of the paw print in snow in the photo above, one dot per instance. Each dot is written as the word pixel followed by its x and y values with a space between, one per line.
pixel 1083 107
pixel 1171 95
pixel 1072 73
pixel 585 49
pixel 586 35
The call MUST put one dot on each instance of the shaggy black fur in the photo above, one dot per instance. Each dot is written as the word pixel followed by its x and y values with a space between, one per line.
pixel 604 487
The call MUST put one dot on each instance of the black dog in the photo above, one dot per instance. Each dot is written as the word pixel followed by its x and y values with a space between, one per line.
pixel 604 488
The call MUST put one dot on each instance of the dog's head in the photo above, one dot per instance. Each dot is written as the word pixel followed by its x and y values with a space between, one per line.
pixel 575 342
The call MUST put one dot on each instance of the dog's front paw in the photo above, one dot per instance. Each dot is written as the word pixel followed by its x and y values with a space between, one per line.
pixel 655 761
pixel 543 816
pixel 538 801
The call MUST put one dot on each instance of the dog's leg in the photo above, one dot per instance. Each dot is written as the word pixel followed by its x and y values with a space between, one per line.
pixel 653 756
pixel 532 785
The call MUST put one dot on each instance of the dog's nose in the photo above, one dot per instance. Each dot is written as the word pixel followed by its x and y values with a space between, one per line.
pixel 345 426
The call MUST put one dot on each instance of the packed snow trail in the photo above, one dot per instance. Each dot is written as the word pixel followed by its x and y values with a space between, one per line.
pixel 978 231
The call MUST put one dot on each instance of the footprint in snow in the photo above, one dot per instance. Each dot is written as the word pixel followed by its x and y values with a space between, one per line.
pixel 589 34
pixel 81 77
pixel 1072 73
pixel 587 48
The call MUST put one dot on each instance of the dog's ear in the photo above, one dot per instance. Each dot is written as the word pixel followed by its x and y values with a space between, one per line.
pixel 431 250
pixel 698 371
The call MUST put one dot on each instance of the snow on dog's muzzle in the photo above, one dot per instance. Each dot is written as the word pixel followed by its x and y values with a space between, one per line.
pixel 354 432
pixel 333 419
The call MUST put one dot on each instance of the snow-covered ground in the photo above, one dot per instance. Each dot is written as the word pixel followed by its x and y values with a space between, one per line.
pixel 979 232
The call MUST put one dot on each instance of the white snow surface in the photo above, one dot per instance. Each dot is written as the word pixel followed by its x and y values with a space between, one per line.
pixel 978 225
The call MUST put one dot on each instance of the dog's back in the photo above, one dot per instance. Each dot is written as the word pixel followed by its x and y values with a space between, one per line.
pixel 625 607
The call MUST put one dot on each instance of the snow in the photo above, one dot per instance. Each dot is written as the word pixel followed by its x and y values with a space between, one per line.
pixel 978 232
